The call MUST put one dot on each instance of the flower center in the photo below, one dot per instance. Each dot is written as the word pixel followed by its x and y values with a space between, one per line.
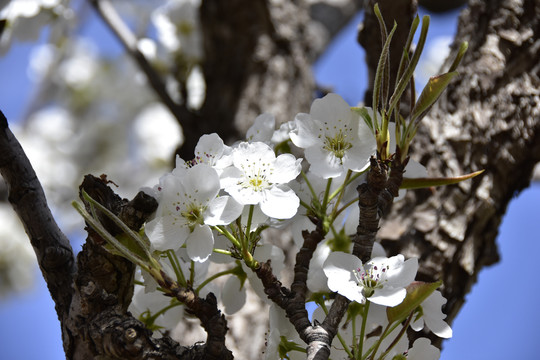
pixel 371 277
pixel 338 144
pixel 193 214
pixel 256 182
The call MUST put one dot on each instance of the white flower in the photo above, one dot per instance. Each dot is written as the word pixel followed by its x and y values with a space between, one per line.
pixel 259 177
pixel 317 280
pixel 187 206
pixel 281 329
pixel 262 129
pixel 335 139
pixel 433 316
pixel 423 350
pixel 210 150
pixel 233 295
pixel 382 280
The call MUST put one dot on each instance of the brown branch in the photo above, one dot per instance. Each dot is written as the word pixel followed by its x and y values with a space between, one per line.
pixel 52 248
pixel 206 310
pixel 126 37
pixel 99 324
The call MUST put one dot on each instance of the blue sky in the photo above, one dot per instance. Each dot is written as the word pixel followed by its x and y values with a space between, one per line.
pixel 498 320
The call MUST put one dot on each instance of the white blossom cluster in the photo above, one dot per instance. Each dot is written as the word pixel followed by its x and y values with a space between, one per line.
pixel 214 206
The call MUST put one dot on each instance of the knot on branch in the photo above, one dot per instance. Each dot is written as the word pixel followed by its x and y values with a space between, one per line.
pixel 120 336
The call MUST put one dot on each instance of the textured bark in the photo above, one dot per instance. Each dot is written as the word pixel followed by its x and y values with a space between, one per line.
pixel 257 59
pixel 489 118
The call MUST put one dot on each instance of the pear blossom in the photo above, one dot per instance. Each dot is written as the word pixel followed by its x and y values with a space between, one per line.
pixel 259 177
pixel 233 295
pixel 381 280
pixel 187 206
pixel 432 316
pixel 335 139
pixel 211 150
pixel 262 129
pixel 281 329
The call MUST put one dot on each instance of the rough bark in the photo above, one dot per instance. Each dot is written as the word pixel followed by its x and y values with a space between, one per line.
pixel 489 118
pixel 258 56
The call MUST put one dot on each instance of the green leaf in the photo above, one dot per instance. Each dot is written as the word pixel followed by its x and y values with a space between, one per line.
pixel 136 241
pixel 420 183
pixel 409 71
pixel 377 86
pixel 462 50
pixel 417 292
pixel 364 113
pixel 431 93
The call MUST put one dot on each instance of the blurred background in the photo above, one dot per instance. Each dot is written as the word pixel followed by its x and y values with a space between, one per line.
pixel 70 100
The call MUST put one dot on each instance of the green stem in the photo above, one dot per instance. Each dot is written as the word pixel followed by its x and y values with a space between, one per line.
pixel 399 336
pixel 340 194
pixel 353 201
pixel 176 267
pixel 222 251
pixel 164 310
pixel 362 331
pixel 326 195
pixel 313 194
pixel 212 278
pixel 223 231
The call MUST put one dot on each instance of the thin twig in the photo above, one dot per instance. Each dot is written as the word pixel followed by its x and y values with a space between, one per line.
pixel 113 20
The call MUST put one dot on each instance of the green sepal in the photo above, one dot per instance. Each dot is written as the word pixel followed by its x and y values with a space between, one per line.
pixel 417 292
pixel 431 92
pixel 420 183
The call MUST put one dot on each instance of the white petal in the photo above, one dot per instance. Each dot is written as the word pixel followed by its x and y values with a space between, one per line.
pixel 200 243
pixel 331 108
pixel 306 132
pixel 323 163
pixel 338 268
pixel 404 274
pixel 280 202
pixel 357 157
pixel 209 148
pixel 230 177
pixel 388 296
pixel 222 211
pixel 165 234
pixel 202 183
pixel 233 295
pixel 246 155
pixel 286 168
pixel 262 129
